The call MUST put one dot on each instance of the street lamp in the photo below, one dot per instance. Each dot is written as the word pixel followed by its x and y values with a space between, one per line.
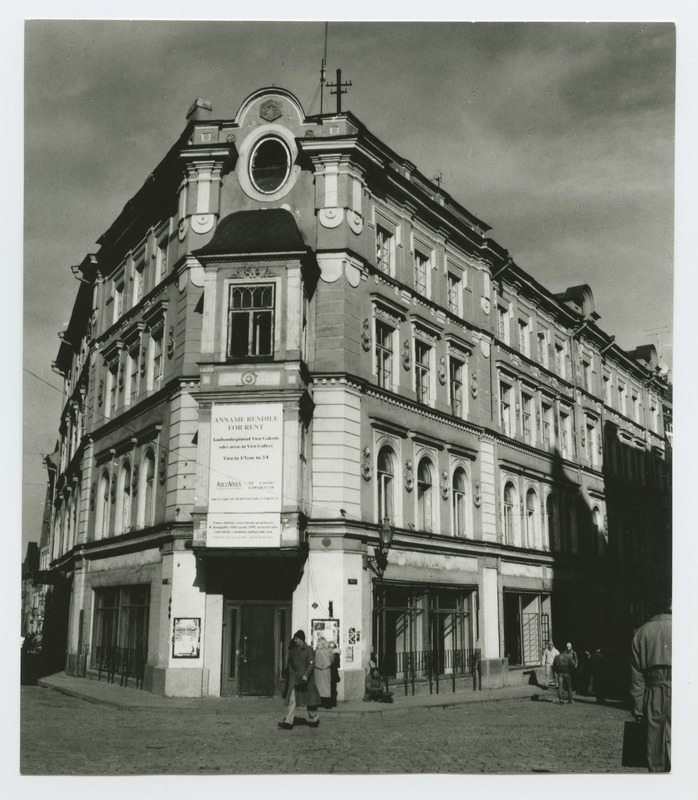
pixel 379 562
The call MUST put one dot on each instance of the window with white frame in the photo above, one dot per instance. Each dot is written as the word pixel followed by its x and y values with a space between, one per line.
pixel 458 501
pixel 155 360
pixel 385 354
pixel 251 320
pixel 386 484
pixel 425 520
pixel 112 394
pixel 146 496
pixel 503 328
pixel 421 273
pixel 455 294
pixel 423 354
pixel 138 278
pixel 548 425
pixel 637 408
pixel 528 418
pixel 561 359
pixel 160 260
pixel 608 388
pixel 506 408
pixel 552 514
pixel 542 339
pixel 456 379
pixel 123 494
pixel 587 374
pixel 622 399
pixel 510 513
pixel 566 433
pixel 531 518
pixel 385 251
pixel 118 297
pixel 524 337
pixel 132 364
pixel 654 418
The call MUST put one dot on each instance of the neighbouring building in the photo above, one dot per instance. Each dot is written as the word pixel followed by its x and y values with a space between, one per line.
pixel 305 389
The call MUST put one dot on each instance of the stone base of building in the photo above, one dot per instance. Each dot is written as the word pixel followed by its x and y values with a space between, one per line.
pixel 180 682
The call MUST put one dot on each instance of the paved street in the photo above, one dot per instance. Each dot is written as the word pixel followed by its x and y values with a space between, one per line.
pixel 63 735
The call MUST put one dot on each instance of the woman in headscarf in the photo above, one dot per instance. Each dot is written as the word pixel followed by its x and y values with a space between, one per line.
pixel 324 658
pixel 300 688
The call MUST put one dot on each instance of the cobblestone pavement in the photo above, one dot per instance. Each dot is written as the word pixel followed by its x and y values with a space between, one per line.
pixel 62 735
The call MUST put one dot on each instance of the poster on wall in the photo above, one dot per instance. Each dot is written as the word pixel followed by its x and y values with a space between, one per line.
pixel 245 479
pixel 186 637
pixel 328 628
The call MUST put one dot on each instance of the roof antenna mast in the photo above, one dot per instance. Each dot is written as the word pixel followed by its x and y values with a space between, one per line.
pixel 323 76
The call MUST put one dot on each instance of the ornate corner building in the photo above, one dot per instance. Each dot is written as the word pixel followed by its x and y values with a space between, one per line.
pixel 289 342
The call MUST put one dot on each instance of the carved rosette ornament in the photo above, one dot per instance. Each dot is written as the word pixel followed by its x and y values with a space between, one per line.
pixel 162 467
pixel 444 485
pixel 366 466
pixel 477 497
pixel 442 370
pixel 366 335
pixel 170 342
pixel 100 393
pixel 474 389
pixel 406 355
pixel 409 477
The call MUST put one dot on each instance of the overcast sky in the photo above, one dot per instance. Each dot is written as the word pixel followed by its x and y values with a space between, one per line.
pixel 559 136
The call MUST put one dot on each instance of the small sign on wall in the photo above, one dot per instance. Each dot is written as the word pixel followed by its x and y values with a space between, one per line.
pixel 186 637
pixel 327 628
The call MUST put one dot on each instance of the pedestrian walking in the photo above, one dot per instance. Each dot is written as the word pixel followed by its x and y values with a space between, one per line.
pixel 563 666
pixel 650 686
pixel 547 659
pixel 299 689
pixel 598 673
pixel 324 659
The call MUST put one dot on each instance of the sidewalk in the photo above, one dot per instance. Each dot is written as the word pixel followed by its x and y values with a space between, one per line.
pixel 116 696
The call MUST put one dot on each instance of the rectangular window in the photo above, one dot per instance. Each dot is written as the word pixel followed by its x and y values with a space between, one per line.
pixel 587 375
pixel 566 434
pixel 561 360
pixel 524 338
pixel 385 251
pixel 548 426
pixel 160 261
pixel 138 279
pixel 421 273
pixel 505 408
pixel 456 369
pixel 654 418
pixel 528 418
pixel 385 338
pixel 118 300
pixel 155 359
pixel 543 348
pixel 622 399
pixel 112 389
pixel 455 304
pixel 133 376
pixel 251 321
pixel 608 390
pixel 503 324
pixel 636 408
pixel 422 371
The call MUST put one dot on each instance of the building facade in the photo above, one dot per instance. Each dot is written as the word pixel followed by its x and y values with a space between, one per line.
pixel 290 348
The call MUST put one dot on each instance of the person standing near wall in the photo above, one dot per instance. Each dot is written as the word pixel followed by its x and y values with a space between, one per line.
pixel 300 690
pixel 548 658
pixel 563 666
pixel 650 686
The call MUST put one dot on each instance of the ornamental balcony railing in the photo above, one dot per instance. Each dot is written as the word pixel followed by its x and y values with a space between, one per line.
pixel 119 664
pixel 440 668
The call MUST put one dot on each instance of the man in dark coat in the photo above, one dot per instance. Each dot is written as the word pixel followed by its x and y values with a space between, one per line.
pixel 299 689
pixel 650 686
pixel 563 666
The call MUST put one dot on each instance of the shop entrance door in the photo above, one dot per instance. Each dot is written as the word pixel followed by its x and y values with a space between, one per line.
pixel 253 648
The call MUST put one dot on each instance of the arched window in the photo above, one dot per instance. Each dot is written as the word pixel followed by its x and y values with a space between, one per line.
pixel 102 515
pixel 458 501
pixel 510 514
pixel 531 519
pixel 146 492
pixel 551 513
pixel 386 489
pixel 123 508
pixel 424 496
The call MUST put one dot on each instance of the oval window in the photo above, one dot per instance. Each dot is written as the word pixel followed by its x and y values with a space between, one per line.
pixel 269 165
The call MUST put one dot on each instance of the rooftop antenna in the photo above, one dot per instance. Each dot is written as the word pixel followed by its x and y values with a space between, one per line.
pixel 323 75
pixel 658 333
pixel 438 179
pixel 339 89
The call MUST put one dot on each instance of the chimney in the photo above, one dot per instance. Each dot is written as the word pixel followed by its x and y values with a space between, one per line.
pixel 200 110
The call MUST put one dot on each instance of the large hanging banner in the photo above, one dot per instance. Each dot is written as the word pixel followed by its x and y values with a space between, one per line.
pixel 244 500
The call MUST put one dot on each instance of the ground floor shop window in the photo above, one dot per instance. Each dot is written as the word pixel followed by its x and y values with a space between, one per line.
pixel 526 628
pixel 422 632
pixel 120 633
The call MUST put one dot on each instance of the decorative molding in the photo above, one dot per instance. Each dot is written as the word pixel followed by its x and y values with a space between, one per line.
pixel 93 495
pixel 182 228
pixel 406 355
pixel 356 222
pixel 252 272
pixel 365 335
pixel 170 342
pixel 112 490
pixel 142 365
pixel 477 497
pixel 366 466
pixel 100 393
pixel 474 388
pixel 270 110
pixel 442 371
pixel 444 485
pixel 162 467
pixel 409 477
pixel 331 217
pixel 134 480
pixel 248 378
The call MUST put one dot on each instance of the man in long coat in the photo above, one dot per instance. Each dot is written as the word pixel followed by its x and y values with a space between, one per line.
pixel 650 686
pixel 299 690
